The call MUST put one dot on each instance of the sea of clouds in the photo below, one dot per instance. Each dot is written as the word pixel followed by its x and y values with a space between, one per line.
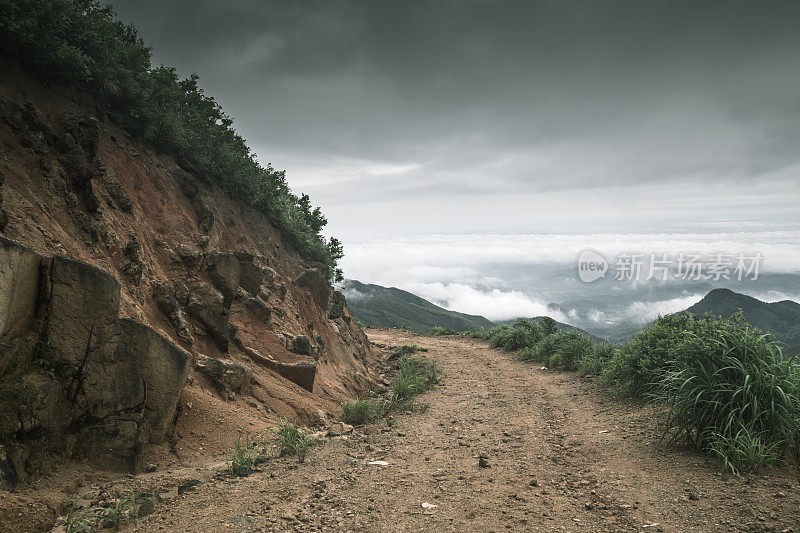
pixel 463 272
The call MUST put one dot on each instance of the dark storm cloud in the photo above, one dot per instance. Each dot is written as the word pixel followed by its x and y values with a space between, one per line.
pixel 402 97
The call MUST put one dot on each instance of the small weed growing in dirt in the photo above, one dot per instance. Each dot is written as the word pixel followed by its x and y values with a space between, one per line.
pixel 290 441
pixel 117 512
pixel 360 412
pixel 420 407
pixel 122 510
pixel 78 522
pixel 243 456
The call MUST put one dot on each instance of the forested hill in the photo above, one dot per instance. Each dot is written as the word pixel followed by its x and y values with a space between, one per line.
pixel 386 307
pixel 782 319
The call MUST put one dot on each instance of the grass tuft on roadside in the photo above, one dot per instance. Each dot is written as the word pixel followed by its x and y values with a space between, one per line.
pixel 114 513
pixel 360 412
pixel 243 456
pixel 289 440
pixel 416 375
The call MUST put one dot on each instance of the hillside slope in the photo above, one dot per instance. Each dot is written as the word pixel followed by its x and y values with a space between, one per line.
pixel 782 319
pixel 99 224
pixel 385 307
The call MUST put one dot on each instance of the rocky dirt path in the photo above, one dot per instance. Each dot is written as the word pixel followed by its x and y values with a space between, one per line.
pixel 562 457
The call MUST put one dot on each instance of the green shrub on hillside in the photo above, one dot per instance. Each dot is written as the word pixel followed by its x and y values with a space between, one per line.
pixel 522 333
pixel 595 361
pixel 638 366
pixel 81 44
pixel 549 325
pixel 729 390
pixel 566 350
pixel 733 393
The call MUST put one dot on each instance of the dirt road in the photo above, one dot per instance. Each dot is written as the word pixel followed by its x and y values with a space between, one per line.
pixel 562 457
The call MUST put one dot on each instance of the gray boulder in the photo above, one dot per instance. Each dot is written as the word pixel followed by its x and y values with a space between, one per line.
pixel 259 309
pixel 131 264
pixel 250 277
pixel 78 148
pixel 315 282
pixel 336 309
pixel 164 368
pixel 230 378
pixel 223 270
pixel 302 345
pixel 102 386
pixel 19 288
pixel 299 372
pixel 82 304
pixel 214 323
pixel 168 305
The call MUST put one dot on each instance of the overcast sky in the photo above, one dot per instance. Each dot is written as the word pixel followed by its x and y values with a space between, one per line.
pixel 405 118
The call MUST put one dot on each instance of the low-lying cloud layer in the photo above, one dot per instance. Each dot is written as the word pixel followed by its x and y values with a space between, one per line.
pixel 505 276
pixel 494 304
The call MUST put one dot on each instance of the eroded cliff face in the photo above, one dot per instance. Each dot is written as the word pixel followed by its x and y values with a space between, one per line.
pixel 140 304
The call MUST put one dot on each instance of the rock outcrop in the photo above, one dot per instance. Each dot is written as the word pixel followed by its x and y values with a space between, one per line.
pixel 230 378
pixel 98 386
pixel 316 282
pixel 137 271
pixel 300 372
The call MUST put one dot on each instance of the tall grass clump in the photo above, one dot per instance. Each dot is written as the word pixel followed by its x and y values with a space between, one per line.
pixel 416 375
pixel 733 394
pixel 121 509
pixel 522 333
pixel 595 361
pixel 359 412
pixel 566 350
pixel 476 333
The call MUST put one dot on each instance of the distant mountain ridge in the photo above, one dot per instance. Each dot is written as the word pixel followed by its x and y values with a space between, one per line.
pixel 782 319
pixel 390 307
